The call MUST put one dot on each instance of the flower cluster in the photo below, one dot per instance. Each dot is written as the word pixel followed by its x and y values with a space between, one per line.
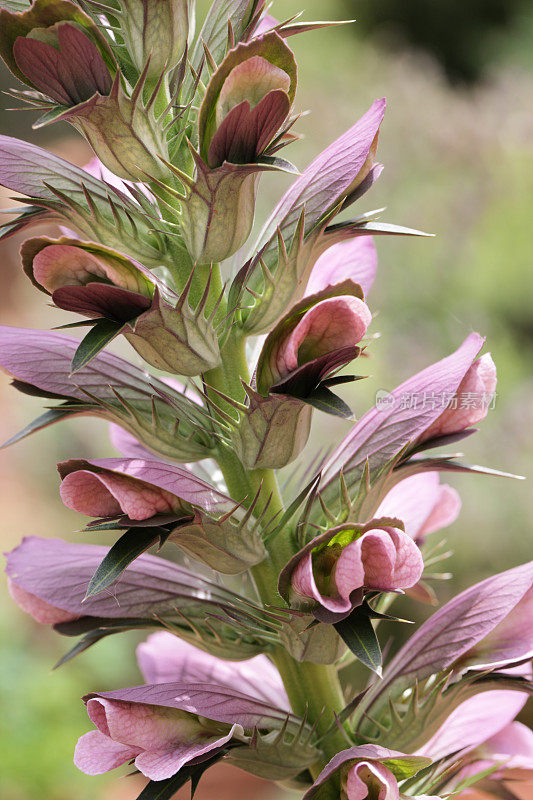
pixel 150 248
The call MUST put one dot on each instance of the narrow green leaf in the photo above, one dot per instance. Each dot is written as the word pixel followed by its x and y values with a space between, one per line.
pixel 83 644
pixel 324 400
pixel 358 633
pixel 48 418
pixel 125 550
pixel 98 337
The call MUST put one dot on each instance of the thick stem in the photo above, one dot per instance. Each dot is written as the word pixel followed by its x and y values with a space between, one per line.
pixel 314 690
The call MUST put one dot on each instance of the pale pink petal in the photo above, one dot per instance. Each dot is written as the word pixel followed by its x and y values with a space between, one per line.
pixel 411 500
pixel 143 726
pixel 106 494
pixel 40 610
pixel 96 753
pixel 385 560
pixel 330 325
pixel 474 721
pixel 160 763
pixel 473 399
pixel 370 779
pixel 304 584
pixel 165 658
pixel 251 80
pixel 355 260
pixel 422 503
pixel 58 265
pixel 515 740
pixel 445 511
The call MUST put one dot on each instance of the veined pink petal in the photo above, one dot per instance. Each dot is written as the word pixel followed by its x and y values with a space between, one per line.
pixel 40 610
pixel 108 494
pixel 355 260
pixel 385 560
pixel 96 753
pixel 330 325
pixel 250 80
pixel 473 398
pixel 474 722
pixel 59 265
pixel 422 503
pixel 511 640
pixel 304 584
pixel 141 726
pixel 164 658
pixel 370 779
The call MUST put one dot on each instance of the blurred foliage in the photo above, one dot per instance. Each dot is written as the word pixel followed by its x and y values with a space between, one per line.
pixel 462 36
pixel 459 164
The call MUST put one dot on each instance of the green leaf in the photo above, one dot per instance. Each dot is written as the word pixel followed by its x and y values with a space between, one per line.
pixel 98 337
pixel 125 550
pixel 358 633
pixel 83 644
pixel 48 418
pixel 325 400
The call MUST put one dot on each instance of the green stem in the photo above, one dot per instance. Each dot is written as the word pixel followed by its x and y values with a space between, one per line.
pixel 313 689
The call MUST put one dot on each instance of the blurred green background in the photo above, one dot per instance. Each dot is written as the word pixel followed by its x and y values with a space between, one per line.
pixel 458 148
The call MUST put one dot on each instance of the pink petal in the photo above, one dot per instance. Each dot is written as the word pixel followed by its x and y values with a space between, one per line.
pixel 422 503
pixel 141 725
pixel 355 259
pixel 474 721
pixel 370 779
pixel 58 265
pixel 445 511
pixel 304 584
pixel 158 764
pixel 473 399
pixel 328 326
pixel 40 610
pixel 106 494
pixel 515 740
pixel 96 753
pixel 164 658
pixel 250 80
pixel 385 560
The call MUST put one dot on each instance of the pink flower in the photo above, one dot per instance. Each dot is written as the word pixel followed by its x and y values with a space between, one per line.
pixel 341 561
pixel 368 772
pixel 161 740
pixel 471 403
pixel 330 325
pixel 368 779
pixel 107 494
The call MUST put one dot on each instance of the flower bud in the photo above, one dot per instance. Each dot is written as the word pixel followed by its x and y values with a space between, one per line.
pixel 247 102
pixel 201 521
pixel 60 52
pixel 471 402
pixel 97 281
pixel 156 30
pixel 367 779
pixel 347 559
pixel 160 740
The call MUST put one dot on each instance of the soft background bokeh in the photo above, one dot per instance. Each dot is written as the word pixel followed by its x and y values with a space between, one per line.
pixel 458 148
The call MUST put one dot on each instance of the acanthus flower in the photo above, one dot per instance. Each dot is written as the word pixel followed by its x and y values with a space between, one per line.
pixel 57 50
pixel 125 298
pixel 311 343
pixel 331 573
pixel 246 104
